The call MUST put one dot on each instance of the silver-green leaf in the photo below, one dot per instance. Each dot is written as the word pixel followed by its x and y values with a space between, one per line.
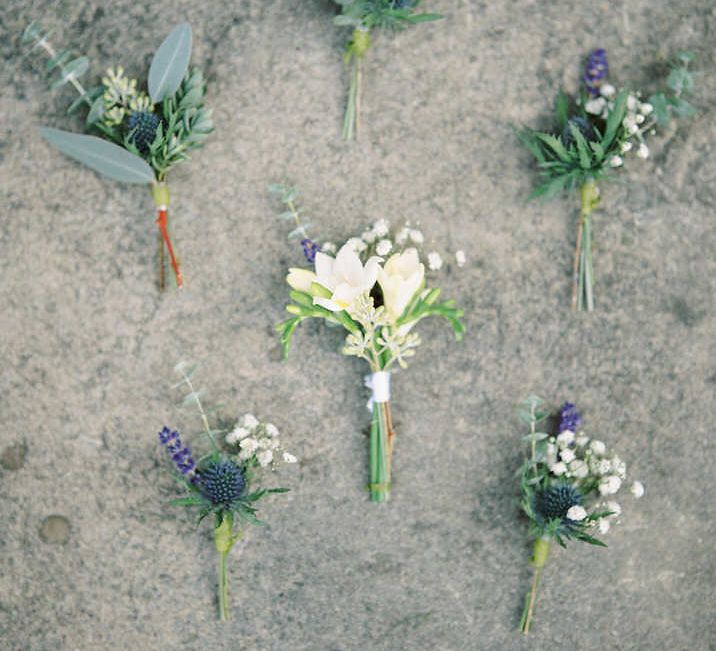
pixel 170 63
pixel 102 156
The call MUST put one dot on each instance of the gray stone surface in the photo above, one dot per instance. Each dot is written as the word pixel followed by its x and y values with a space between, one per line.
pixel 88 345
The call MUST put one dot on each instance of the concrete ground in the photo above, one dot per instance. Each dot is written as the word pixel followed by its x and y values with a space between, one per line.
pixel 91 555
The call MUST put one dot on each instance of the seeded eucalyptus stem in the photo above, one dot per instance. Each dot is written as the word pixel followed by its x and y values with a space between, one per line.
pixel 583 274
pixel 538 561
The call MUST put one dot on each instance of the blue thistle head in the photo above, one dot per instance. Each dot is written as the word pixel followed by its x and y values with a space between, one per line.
pixel 310 248
pixel 583 126
pixel 180 454
pixel 595 71
pixel 222 482
pixel 554 502
pixel 141 129
pixel 569 417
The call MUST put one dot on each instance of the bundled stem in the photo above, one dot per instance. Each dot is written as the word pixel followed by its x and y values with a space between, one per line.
pixel 538 561
pixel 381 452
pixel 358 46
pixel 223 541
pixel 583 274
pixel 160 194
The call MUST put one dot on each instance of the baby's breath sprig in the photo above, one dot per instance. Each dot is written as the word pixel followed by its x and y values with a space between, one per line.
pixel 568 483
pixel 592 135
pixel 378 305
pixel 219 484
pixel 144 134
pixel 364 16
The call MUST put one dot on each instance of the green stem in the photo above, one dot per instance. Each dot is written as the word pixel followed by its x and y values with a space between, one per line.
pixel 582 290
pixel 380 453
pixel 223 587
pixel 350 120
pixel 539 558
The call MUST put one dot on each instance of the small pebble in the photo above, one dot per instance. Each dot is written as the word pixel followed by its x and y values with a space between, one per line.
pixel 13 456
pixel 55 529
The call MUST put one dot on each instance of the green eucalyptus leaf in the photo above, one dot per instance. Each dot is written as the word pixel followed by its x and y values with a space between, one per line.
pixel 170 63
pixel 96 110
pixel 104 157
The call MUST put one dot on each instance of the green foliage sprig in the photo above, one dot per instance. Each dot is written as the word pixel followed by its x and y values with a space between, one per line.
pixel 593 133
pixel 364 16
pixel 221 482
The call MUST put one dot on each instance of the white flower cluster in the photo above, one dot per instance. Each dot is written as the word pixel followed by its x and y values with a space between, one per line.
pixel 636 121
pixel 587 462
pixel 120 97
pixel 377 240
pixel 252 439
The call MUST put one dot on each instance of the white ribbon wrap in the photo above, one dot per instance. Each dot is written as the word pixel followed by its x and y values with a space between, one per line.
pixel 379 384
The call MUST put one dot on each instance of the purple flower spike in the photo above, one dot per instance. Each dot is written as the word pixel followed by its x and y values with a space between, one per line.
pixel 310 248
pixel 181 455
pixel 569 417
pixel 596 71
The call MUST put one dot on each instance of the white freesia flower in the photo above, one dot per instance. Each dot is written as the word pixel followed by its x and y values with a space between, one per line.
pixel 265 443
pixel 565 438
pixel 250 422
pixel 603 525
pixel 643 151
pixel 619 467
pixel 581 440
pixel 265 457
pixel 615 508
pixel 616 161
pixel 576 513
pixel 345 276
pixel 609 485
pixel 632 102
pixel 271 430
pixel 289 458
pixel 300 279
pixel 626 146
pixel 328 247
pixel 400 278
pixel 637 489
pixel 646 108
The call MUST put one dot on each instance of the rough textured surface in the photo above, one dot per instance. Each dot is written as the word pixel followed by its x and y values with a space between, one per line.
pixel 88 344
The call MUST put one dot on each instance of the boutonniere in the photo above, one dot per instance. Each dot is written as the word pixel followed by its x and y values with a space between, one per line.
pixel 141 135
pixel 377 288
pixel 222 484
pixel 569 486
pixel 364 16
pixel 593 135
